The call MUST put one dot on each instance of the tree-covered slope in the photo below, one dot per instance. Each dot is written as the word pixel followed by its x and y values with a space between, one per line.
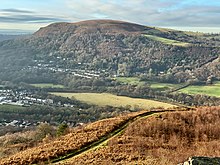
pixel 119 48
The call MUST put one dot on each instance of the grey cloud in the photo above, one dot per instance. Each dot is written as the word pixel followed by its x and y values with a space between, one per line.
pixel 148 12
pixel 16 11
pixel 191 16
pixel 29 19
pixel 24 16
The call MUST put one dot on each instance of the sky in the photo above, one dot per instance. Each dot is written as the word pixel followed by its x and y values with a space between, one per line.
pixel 30 15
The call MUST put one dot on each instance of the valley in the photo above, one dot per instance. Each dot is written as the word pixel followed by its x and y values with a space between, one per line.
pixel 106 91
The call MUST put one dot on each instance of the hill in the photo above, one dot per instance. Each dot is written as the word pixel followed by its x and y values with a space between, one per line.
pixel 8 37
pixel 110 48
pixel 92 26
pixel 156 137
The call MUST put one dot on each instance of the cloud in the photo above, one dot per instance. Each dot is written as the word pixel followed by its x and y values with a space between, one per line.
pixel 29 19
pixel 25 16
pixel 16 11
pixel 191 16
pixel 181 13
pixel 150 12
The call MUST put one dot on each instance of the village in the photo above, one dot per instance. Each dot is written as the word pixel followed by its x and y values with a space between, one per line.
pixel 80 69
pixel 21 98
pixel 26 98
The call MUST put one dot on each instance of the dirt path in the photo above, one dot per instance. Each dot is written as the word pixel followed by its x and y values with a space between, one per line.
pixel 102 141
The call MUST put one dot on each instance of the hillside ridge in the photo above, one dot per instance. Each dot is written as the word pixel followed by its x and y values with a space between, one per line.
pixel 92 26
pixel 111 48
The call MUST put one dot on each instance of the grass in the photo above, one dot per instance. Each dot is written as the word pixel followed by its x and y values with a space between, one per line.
pixel 104 99
pixel 210 90
pixel 129 80
pixel 10 108
pixel 168 41
pixel 193 33
pixel 164 86
pixel 153 85
pixel 45 85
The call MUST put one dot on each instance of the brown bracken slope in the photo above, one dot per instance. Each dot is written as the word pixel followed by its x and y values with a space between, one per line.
pixel 92 26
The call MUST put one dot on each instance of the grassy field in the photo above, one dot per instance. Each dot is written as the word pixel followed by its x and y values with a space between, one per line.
pixel 153 85
pixel 167 41
pixel 210 90
pixel 103 99
pixel 129 80
pixel 7 107
pixel 47 85
pixel 164 86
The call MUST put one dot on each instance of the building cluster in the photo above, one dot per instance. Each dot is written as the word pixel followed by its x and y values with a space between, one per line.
pixel 80 69
pixel 17 123
pixel 26 98
pixel 21 98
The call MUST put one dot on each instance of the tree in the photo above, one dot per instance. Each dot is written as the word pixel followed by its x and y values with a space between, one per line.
pixel 62 129
pixel 44 130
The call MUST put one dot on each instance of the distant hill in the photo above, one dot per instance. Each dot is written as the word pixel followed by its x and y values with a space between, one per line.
pixel 115 47
pixel 4 37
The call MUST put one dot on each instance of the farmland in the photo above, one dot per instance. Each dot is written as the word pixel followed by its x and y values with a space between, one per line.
pixel 45 85
pixel 153 85
pixel 164 86
pixel 167 41
pixel 211 90
pixel 103 99
pixel 129 80
pixel 10 108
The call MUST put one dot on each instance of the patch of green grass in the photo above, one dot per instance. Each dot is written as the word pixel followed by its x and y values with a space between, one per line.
pixel 164 86
pixel 210 90
pixel 193 33
pixel 168 41
pixel 103 99
pixel 129 80
pixel 47 85
pixel 10 108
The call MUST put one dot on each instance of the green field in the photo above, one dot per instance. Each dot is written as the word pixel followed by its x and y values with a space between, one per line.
pixel 129 80
pixel 168 41
pixel 153 85
pixel 47 85
pixel 164 86
pixel 11 108
pixel 103 99
pixel 210 90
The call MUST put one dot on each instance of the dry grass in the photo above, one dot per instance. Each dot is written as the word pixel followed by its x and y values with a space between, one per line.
pixel 75 140
pixel 103 99
pixel 16 142
pixel 168 138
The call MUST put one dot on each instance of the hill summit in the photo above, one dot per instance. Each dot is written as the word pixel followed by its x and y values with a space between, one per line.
pixel 92 26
